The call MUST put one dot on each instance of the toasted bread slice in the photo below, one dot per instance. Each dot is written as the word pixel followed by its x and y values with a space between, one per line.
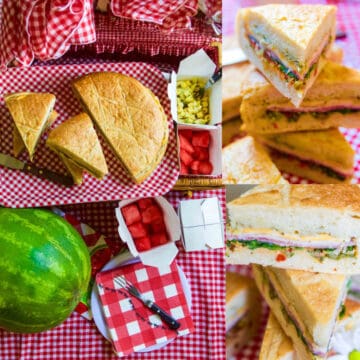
pixel 129 116
pixel 30 112
pixel 77 140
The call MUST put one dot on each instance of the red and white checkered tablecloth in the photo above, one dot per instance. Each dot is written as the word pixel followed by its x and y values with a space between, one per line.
pixel 348 15
pixel 21 190
pixel 78 339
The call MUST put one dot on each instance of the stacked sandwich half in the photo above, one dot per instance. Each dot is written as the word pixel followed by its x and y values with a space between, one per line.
pixel 303 244
pixel 296 98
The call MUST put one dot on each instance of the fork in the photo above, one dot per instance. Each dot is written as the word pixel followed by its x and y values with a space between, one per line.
pixel 167 318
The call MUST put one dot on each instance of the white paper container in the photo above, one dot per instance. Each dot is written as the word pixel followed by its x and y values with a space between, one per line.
pixel 158 256
pixel 197 65
pixel 201 224
pixel 214 147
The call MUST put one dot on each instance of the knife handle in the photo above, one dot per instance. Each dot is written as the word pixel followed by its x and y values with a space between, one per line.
pixel 168 319
pixel 216 77
pixel 48 174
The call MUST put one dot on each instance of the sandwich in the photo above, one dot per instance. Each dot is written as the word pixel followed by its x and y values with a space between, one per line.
pixel 76 141
pixel 305 227
pixel 129 116
pixel 30 113
pixel 305 304
pixel 245 161
pixel 75 170
pixel 288 43
pixel 18 144
pixel 277 346
pixel 231 131
pixel 322 156
pixel 333 101
pixel 243 311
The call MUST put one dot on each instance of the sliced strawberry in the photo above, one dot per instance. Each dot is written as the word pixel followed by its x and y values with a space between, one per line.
pixel 158 226
pixel 131 214
pixel 185 144
pixel 137 230
pixel 201 153
pixel 145 203
pixel 151 214
pixel 201 138
pixel 205 168
pixel 159 239
pixel 185 157
pixel 186 133
pixel 143 243
pixel 184 170
pixel 195 167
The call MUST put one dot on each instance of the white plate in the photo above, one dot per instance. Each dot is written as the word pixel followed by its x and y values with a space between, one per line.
pixel 121 260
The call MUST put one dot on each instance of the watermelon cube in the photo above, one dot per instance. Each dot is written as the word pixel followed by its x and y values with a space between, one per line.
pixel 194 167
pixel 158 226
pixel 151 214
pixel 185 157
pixel 145 203
pixel 205 168
pixel 185 144
pixel 184 170
pixel 143 243
pixel 201 153
pixel 201 138
pixel 131 214
pixel 159 239
pixel 186 133
pixel 137 230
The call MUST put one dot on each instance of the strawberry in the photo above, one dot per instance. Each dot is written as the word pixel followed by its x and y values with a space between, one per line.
pixel 186 133
pixel 201 138
pixel 131 214
pixel 137 230
pixel 159 239
pixel 185 157
pixel 205 168
pixel 158 226
pixel 195 167
pixel 143 243
pixel 151 214
pixel 184 170
pixel 185 144
pixel 201 153
pixel 145 203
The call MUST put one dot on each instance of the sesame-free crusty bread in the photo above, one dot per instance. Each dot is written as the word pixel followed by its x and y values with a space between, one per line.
pixel 265 110
pixel 74 169
pixel 129 116
pixel 30 112
pixel 245 161
pixel 76 139
pixel 297 36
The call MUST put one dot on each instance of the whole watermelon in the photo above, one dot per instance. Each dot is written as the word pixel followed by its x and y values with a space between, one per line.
pixel 44 269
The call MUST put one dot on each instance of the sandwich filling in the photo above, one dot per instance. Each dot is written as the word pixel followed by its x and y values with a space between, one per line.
pixel 291 75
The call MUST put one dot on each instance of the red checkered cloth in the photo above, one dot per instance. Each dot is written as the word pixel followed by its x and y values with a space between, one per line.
pixel 21 190
pixel 44 29
pixel 168 14
pixel 78 338
pixel 132 326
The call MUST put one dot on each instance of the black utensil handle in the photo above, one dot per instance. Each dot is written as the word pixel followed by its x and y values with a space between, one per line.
pixel 49 175
pixel 168 319
pixel 217 76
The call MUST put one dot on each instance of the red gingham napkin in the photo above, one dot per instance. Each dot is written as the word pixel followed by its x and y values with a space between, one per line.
pixel 132 326
pixel 168 14
pixel 44 29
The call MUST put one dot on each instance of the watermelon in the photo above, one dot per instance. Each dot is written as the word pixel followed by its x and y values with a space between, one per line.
pixel 44 269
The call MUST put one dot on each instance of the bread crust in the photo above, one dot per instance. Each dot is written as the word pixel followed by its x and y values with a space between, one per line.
pixel 129 116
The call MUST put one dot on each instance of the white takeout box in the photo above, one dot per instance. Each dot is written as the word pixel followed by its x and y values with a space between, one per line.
pixel 201 224
pixel 197 65
pixel 158 256
pixel 214 147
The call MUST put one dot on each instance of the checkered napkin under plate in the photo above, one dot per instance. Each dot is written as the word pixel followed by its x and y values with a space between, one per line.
pixel 18 189
pixel 44 29
pixel 132 326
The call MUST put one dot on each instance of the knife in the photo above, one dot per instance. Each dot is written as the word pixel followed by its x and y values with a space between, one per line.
pixel 13 163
